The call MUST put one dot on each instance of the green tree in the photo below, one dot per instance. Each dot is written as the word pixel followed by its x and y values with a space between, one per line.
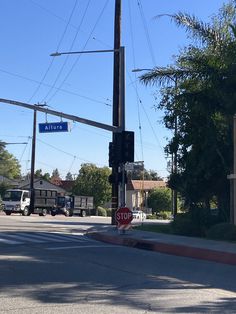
pixel 198 92
pixel 160 199
pixel 3 187
pixel 39 174
pixel 144 175
pixel 69 176
pixel 93 181
pixel 55 174
pixel 9 165
pixel 46 176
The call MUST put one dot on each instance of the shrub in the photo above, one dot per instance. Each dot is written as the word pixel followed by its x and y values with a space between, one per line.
pixel 164 215
pixel 108 210
pixel 184 225
pixel 222 231
pixel 101 211
pixel 153 216
pixel 160 199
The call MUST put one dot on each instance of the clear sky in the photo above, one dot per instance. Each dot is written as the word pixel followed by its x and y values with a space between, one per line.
pixel 82 84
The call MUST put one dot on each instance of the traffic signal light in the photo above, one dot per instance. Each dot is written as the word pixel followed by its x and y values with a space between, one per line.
pixel 121 150
pixel 127 146
pixel 112 154
pixel 115 150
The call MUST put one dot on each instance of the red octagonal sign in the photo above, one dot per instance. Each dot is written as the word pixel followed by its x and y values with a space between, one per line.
pixel 124 216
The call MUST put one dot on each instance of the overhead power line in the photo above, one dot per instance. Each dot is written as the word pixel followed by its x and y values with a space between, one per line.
pixel 78 58
pixel 71 47
pixel 146 31
pixel 57 88
pixel 58 46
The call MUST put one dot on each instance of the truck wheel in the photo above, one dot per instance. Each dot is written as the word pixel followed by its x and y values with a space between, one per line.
pixel 67 213
pixel 83 213
pixel 25 211
pixel 44 212
pixel 53 213
pixel 8 213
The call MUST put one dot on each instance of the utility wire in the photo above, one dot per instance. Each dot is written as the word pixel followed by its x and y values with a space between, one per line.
pixel 77 59
pixel 64 152
pixel 73 161
pixel 146 31
pixel 107 102
pixel 70 49
pixel 52 60
pixel 62 19
pixel 24 149
pixel 137 98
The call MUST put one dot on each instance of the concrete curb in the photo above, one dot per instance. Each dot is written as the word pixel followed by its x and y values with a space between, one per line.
pixel 172 249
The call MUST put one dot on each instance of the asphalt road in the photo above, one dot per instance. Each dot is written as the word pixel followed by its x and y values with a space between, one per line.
pixel 48 265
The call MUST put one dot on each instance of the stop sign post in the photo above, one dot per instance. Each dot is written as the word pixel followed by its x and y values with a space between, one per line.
pixel 124 216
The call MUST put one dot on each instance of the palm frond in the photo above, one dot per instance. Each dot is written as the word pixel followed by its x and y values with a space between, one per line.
pixel 164 76
pixel 198 29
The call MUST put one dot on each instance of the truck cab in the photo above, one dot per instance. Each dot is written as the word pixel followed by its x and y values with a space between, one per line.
pixel 64 206
pixel 16 201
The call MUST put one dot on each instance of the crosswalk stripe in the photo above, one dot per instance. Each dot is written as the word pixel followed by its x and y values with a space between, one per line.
pixel 25 238
pixel 39 237
pixel 45 237
pixel 6 241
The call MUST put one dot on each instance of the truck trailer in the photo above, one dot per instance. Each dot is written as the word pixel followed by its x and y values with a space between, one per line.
pixel 73 205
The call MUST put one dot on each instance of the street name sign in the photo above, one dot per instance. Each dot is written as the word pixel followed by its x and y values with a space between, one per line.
pixel 124 216
pixel 51 127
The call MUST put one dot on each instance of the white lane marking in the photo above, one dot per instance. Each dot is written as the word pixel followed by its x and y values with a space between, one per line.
pixel 25 238
pixel 79 247
pixel 10 241
pixel 41 237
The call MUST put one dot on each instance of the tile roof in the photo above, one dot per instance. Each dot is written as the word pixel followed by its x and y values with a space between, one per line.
pixel 145 184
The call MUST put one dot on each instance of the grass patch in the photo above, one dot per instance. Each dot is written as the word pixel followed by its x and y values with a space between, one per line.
pixel 160 228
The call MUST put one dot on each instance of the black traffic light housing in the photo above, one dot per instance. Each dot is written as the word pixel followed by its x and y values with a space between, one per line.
pixel 127 146
pixel 121 150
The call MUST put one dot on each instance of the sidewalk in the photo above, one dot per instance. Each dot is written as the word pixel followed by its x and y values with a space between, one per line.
pixel 217 251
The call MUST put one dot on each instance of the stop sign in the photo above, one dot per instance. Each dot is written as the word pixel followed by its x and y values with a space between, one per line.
pixel 124 216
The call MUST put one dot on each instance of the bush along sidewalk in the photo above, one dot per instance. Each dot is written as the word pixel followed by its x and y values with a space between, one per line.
pixel 195 225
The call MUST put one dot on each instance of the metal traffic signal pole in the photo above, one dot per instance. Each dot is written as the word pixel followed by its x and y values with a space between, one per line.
pixel 116 104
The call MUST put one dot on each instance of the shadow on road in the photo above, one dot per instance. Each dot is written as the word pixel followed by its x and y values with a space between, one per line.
pixel 116 276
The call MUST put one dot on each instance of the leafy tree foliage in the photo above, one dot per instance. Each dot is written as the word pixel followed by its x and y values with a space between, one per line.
pixel 144 175
pixel 46 176
pixel 160 199
pixel 55 174
pixel 9 165
pixel 93 181
pixel 3 187
pixel 39 174
pixel 69 176
pixel 198 99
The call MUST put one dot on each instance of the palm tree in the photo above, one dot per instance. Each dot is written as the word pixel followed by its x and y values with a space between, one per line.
pixel 203 98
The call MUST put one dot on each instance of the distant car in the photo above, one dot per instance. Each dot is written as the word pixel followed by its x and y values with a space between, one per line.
pixel 139 214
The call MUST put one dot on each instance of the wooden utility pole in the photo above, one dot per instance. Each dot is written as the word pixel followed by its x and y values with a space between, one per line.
pixel 116 102
pixel 33 164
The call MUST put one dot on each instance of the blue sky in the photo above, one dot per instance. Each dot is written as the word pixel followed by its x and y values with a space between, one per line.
pixel 82 84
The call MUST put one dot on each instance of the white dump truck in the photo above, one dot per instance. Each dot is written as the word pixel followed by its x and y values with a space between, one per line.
pixel 18 201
